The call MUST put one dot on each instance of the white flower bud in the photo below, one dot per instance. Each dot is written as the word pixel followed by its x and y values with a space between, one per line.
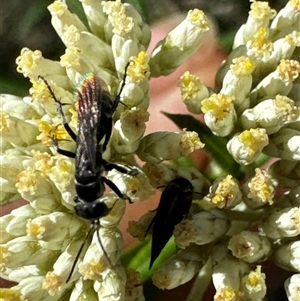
pixel 219 113
pixel 204 228
pixel 137 187
pixel 287 19
pixel 279 81
pixel 282 223
pixel 55 228
pixel 62 18
pixel 238 80
pixel 31 287
pixel 247 146
pixel 288 256
pixel 285 144
pixel 160 146
pixel 227 273
pixel 95 261
pixel 32 64
pixel 83 289
pixel 254 285
pixel 178 269
pixel 159 174
pixel 192 92
pixel 128 130
pixel 283 48
pixel 96 17
pixel 139 228
pixel 292 287
pixel 249 246
pixel 259 190
pixel 271 114
pixel 225 192
pixel 179 44
pixel 112 286
pixel 10 167
pixel 259 16
pixel 134 286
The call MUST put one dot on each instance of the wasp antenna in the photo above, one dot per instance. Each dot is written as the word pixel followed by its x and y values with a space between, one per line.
pixel 92 226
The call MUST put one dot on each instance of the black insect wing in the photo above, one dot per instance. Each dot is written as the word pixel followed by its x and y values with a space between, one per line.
pixel 90 138
pixel 174 205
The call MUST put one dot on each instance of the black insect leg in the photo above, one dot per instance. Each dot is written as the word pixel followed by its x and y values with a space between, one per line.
pixel 118 97
pixel 122 169
pixel 64 152
pixel 60 110
pixel 114 188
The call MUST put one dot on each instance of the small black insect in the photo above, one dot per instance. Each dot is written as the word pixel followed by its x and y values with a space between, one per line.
pixel 175 203
pixel 95 111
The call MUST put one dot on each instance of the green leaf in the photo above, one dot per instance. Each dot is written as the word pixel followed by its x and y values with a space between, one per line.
pixel 214 145
pixel 138 257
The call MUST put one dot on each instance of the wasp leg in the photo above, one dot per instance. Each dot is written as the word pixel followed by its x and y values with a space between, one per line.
pixel 60 110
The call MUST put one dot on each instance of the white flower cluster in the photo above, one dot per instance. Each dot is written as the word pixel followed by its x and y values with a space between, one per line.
pixel 230 232
pixel 39 241
pixel 256 107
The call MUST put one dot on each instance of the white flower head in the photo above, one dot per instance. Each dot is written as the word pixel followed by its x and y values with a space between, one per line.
pixel 179 44
pixel 292 287
pixel 254 285
pixel 249 246
pixel 247 146
pixel 219 113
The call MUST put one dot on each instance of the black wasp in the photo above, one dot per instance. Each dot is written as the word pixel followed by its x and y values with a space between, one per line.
pixel 95 111
pixel 175 203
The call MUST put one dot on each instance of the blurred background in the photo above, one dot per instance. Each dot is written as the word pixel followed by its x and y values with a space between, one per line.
pixel 27 24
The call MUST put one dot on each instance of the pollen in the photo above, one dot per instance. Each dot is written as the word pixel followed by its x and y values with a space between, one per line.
pixel 57 8
pixel 39 91
pixel 71 58
pixel 226 293
pixel 134 118
pixel 35 229
pixel 50 132
pixel 285 108
pixel 199 19
pixel 189 142
pixel 254 140
pixel 255 278
pixel 65 165
pixel 92 269
pixel 52 283
pixel 260 11
pixel 43 161
pixel 4 258
pixel 4 122
pixel 189 85
pixel 261 188
pixel 185 233
pixel 242 66
pixel 117 16
pixel 261 43
pixel 293 38
pixel 27 180
pixel 28 60
pixel 219 104
pixel 139 69
pixel 288 70
pixel 224 192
